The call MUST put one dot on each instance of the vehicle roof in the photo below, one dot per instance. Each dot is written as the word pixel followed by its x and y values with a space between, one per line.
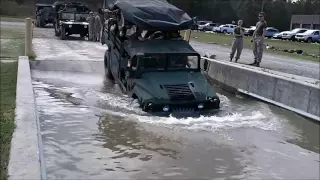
pixel 134 47
pixel 311 30
pixel 153 15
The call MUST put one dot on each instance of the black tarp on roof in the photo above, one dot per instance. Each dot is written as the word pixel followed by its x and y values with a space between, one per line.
pixel 153 14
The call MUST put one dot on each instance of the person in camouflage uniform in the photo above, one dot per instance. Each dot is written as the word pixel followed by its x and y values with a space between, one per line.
pixel 258 39
pixel 90 20
pixel 237 44
pixel 97 27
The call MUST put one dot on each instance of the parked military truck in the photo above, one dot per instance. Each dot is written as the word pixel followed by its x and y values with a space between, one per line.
pixel 161 70
pixel 44 15
pixel 70 19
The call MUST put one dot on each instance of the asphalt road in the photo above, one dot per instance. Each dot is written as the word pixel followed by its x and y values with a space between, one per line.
pixel 274 62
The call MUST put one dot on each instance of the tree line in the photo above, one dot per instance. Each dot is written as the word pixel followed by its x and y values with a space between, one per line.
pixel 221 11
pixel 225 11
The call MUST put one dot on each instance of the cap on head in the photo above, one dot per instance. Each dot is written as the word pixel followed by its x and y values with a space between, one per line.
pixel 240 22
pixel 262 13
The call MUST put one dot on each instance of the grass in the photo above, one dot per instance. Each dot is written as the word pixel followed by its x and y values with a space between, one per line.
pixel 13 43
pixel 12 18
pixel 222 39
pixel 8 77
pixel 12 46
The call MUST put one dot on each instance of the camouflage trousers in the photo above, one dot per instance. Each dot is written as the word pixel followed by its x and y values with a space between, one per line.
pixel 258 45
pixel 91 33
pixel 97 34
pixel 237 45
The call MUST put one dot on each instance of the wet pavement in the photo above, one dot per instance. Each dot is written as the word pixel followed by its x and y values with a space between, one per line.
pixel 91 130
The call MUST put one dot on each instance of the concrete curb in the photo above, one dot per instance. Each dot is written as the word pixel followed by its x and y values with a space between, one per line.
pixel 26 155
pixel 295 93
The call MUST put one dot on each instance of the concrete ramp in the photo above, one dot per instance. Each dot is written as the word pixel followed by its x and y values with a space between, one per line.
pixel 296 93
pixel 68 65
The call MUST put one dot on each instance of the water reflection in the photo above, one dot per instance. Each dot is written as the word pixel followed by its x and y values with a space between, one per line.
pixel 125 137
pixel 300 131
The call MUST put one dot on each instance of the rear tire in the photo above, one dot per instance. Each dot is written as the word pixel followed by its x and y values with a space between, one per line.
pixel 224 31
pixel 107 65
pixel 38 21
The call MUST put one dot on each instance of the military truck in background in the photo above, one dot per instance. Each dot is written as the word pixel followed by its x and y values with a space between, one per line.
pixel 44 15
pixel 159 69
pixel 70 18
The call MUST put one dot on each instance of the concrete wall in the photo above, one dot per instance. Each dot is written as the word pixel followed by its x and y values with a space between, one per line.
pixel 26 155
pixel 295 93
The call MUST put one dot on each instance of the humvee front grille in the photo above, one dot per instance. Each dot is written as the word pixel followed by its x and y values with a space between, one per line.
pixel 179 92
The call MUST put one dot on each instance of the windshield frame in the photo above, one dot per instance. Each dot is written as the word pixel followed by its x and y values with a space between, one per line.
pixel 74 16
pixel 166 67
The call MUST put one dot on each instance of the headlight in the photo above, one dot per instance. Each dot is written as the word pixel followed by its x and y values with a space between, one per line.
pixel 70 26
pixel 200 106
pixel 165 108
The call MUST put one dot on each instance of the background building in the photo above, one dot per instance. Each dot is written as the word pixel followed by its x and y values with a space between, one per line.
pixel 305 21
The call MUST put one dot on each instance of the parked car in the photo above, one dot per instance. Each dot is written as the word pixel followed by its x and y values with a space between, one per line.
pixel 279 35
pixel 207 26
pixel 226 28
pixel 270 31
pixel 290 35
pixel 308 36
pixel 201 24
pixel 249 31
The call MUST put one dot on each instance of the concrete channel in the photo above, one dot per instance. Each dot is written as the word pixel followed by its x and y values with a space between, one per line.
pixel 87 129
pixel 79 125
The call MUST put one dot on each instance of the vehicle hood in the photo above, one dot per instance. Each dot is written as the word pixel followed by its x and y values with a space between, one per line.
pixel 156 82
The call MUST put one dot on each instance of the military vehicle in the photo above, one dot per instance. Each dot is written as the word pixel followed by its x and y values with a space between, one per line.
pixel 162 71
pixel 44 15
pixel 70 19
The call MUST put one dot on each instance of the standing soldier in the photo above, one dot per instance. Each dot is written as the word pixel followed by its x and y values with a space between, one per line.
pixel 90 20
pixel 237 44
pixel 97 27
pixel 258 39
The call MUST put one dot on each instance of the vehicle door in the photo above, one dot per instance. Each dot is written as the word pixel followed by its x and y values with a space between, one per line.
pixel 316 36
pixel 230 28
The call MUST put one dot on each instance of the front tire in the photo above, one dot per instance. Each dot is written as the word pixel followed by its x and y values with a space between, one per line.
pixel 107 65
pixel 309 40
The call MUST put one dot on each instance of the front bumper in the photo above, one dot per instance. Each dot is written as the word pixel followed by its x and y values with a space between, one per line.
pixel 194 106
pixel 287 37
pixel 301 38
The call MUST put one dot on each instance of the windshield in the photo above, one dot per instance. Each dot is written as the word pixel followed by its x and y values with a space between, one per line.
pixel 308 32
pixel 168 62
pixel 298 30
pixel 81 17
pixel 68 16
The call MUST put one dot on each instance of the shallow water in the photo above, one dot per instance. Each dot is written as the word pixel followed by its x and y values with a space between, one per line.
pixel 91 130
